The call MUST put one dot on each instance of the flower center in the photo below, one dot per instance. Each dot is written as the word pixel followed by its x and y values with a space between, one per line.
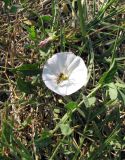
pixel 61 77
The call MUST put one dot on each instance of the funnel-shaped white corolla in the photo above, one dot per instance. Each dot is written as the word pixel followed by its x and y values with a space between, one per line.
pixel 65 73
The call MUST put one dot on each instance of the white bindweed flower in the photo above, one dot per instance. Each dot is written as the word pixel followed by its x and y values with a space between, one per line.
pixel 64 73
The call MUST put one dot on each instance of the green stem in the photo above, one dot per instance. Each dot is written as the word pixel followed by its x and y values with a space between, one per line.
pixel 83 138
pixel 55 151
pixel 66 116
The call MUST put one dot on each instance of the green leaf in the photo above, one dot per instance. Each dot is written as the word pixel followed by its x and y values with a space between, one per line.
pixel 82 8
pixel 46 18
pixel 105 145
pixel 14 8
pixel 7 2
pixel 108 75
pixel 24 86
pixel 71 105
pixel 23 1
pixel 28 69
pixel 120 85
pixel 21 149
pixel 29 46
pixel 121 96
pixel 44 140
pixel 32 33
pixel 113 93
pixel 7 132
pixel 65 129
pixel 92 101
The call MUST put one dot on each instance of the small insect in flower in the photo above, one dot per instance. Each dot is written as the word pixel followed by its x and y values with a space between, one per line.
pixel 61 77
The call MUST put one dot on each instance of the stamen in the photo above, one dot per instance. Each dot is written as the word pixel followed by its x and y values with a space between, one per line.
pixel 61 77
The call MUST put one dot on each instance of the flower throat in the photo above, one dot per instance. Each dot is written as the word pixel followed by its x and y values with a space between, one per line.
pixel 61 77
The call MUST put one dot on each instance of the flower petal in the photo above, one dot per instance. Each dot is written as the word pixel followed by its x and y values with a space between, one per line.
pixel 62 58
pixel 51 66
pixel 59 89
pixel 73 87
